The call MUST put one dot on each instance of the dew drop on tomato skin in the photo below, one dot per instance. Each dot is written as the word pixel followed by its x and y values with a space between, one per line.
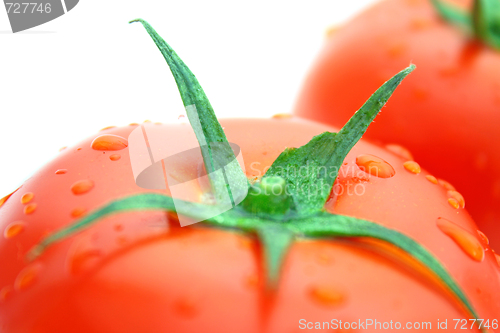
pixel 115 157
pixel 30 208
pixel 432 179
pixel 467 241
pixel 82 186
pixel 400 151
pixel 458 197
pixel 27 277
pixel 77 212
pixel 109 142
pixel 61 171
pixel 375 166
pixel 13 229
pixel 483 237
pixel 412 166
pixel 326 296
pixel 453 203
pixel 446 185
pixel 27 197
pixel 4 199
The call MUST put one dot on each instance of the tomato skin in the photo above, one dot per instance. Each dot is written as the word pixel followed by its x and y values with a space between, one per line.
pixel 445 113
pixel 141 271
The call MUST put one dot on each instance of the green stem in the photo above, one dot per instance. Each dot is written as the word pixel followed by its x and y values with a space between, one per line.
pixel 228 180
pixel 483 23
pixel 268 198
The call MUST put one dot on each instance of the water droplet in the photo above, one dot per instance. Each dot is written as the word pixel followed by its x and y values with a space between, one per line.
pixel 181 116
pixel 326 296
pixel 30 208
pixel 432 179
pixel 282 116
pixel 13 229
pixel 412 167
pixel 186 307
pixel 27 197
pixel 78 212
pixel 62 148
pixel 27 277
pixel 453 203
pixel 108 142
pixel 483 237
pixel 400 151
pixel 5 293
pixel 61 171
pixel 446 185
pixel 4 199
pixel 82 186
pixel 467 241
pixel 115 157
pixel 375 166
pixel 458 197
pixel 80 261
pixel 106 128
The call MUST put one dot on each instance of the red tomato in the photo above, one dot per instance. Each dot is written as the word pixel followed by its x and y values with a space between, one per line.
pixel 446 113
pixel 140 272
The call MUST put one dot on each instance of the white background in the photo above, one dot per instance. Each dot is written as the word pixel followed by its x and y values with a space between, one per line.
pixel 64 80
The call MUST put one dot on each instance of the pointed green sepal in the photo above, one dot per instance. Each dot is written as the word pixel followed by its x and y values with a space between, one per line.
pixel 139 202
pixel 483 23
pixel 228 180
pixel 311 170
pixel 328 225
pixel 276 240
pixel 453 14
pixel 486 21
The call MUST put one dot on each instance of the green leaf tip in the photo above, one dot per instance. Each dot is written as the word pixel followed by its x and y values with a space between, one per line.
pixel 229 182
pixel 311 170
pixel 483 23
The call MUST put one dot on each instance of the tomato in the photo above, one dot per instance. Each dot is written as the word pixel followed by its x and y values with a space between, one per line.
pixel 85 249
pixel 140 271
pixel 446 113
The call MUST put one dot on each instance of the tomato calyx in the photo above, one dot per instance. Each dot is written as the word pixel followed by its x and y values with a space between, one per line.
pixel 483 22
pixel 283 206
